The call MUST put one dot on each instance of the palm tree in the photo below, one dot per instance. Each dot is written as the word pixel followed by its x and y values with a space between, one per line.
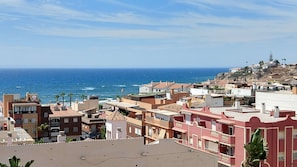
pixel 70 95
pixel 62 95
pixel 14 162
pixel 43 128
pixel 57 98
pixel 83 97
pixel 256 149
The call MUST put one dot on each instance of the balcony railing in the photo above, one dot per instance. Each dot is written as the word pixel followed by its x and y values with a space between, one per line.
pixel 227 139
pixel 158 122
pixel 55 124
pixel 54 133
pixel 227 159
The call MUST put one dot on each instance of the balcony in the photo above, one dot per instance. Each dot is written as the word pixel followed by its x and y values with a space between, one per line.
pixel 227 139
pixel 54 134
pixel 158 122
pixel 226 159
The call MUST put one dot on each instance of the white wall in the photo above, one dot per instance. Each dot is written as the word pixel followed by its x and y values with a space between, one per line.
pixel 241 92
pixel 271 99
pixel 111 153
pixel 112 126
pixel 197 92
pixel 214 102
pixel 145 89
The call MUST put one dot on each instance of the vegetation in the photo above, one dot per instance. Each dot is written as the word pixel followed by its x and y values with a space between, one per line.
pixel 15 162
pixel 256 149
pixel 63 96
pixel 43 128
pixel 70 95
pixel 83 97
pixel 102 132
pixel 57 98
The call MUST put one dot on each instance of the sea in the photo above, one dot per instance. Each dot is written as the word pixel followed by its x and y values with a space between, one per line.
pixel 104 83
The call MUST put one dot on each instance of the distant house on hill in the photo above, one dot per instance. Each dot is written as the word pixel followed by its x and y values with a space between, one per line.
pixel 156 87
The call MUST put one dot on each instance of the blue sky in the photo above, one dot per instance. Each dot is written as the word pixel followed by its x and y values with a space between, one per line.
pixel 153 33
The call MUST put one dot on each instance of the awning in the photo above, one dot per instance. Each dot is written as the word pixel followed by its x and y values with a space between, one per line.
pixel 210 138
pixel 179 130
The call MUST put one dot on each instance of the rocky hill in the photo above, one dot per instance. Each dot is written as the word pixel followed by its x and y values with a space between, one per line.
pixel 269 72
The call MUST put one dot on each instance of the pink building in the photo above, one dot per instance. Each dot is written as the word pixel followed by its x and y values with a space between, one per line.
pixel 224 131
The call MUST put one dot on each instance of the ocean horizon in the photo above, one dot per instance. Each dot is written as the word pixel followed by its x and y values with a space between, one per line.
pixel 103 82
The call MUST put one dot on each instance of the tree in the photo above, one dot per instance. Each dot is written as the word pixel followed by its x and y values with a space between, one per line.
pixel 62 95
pixel 261 63
pixel 43 128
pixel 57 98
pixel 256 149
pixel 70 95
pixel 83 97
pixel 276 62
pixel 102 132
pixel 14 162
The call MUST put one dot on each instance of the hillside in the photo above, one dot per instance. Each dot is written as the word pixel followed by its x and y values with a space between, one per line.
pixel 269 72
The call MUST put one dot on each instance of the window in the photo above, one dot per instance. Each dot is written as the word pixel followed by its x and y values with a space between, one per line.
pixel 213 125
pixel 199 143
pixel 231 130
pixel 211 146
pixel 75 129
pixel 33 120
pixel 191 140
pixel 138 131
pixel 281 156
pixel 25 121
pixel 150 132
pixel 295 155
pixel 130 129
pixel 75 119
pixel 45 115
pixel 66 130
pixel 66 120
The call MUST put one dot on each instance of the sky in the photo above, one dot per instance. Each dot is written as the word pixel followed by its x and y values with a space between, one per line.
pixel 146 33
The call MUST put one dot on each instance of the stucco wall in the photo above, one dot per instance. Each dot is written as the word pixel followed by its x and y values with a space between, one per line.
pixel 111 153
pixel 284 101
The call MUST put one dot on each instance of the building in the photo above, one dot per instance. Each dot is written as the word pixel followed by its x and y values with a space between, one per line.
pixel 157 87
pixel 224 131
pixel 282 99
pixel 158 125
pixel 65 119
pixel 92 122
pixel 23 111
pixel 116 126
pixel 11 135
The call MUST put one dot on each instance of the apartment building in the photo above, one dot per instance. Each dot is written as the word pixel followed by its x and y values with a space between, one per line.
pixel 11 135
pixel 92 122
pixel 23 111
pixel 65 119
pixel 158 125
pixel 224 131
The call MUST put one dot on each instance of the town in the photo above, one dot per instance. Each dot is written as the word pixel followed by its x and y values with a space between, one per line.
pixel 209 121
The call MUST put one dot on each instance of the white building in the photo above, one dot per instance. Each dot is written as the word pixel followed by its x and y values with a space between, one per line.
pixel 283 99
pixel 116 126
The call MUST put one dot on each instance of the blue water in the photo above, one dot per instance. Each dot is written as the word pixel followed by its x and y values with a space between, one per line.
pixel 105 83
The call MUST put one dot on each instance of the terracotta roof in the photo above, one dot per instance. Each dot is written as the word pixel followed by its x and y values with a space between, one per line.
pixel 68 112
pixel 163 85
pixel 116 116
pixel 180 86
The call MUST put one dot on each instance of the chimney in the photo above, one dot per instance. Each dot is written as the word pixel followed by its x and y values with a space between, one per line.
pixel 9 139
pixel 237 104
pixel 276 112
pixel 263 108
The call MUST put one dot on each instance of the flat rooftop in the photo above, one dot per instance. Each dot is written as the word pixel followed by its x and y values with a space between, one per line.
pixel 163 112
